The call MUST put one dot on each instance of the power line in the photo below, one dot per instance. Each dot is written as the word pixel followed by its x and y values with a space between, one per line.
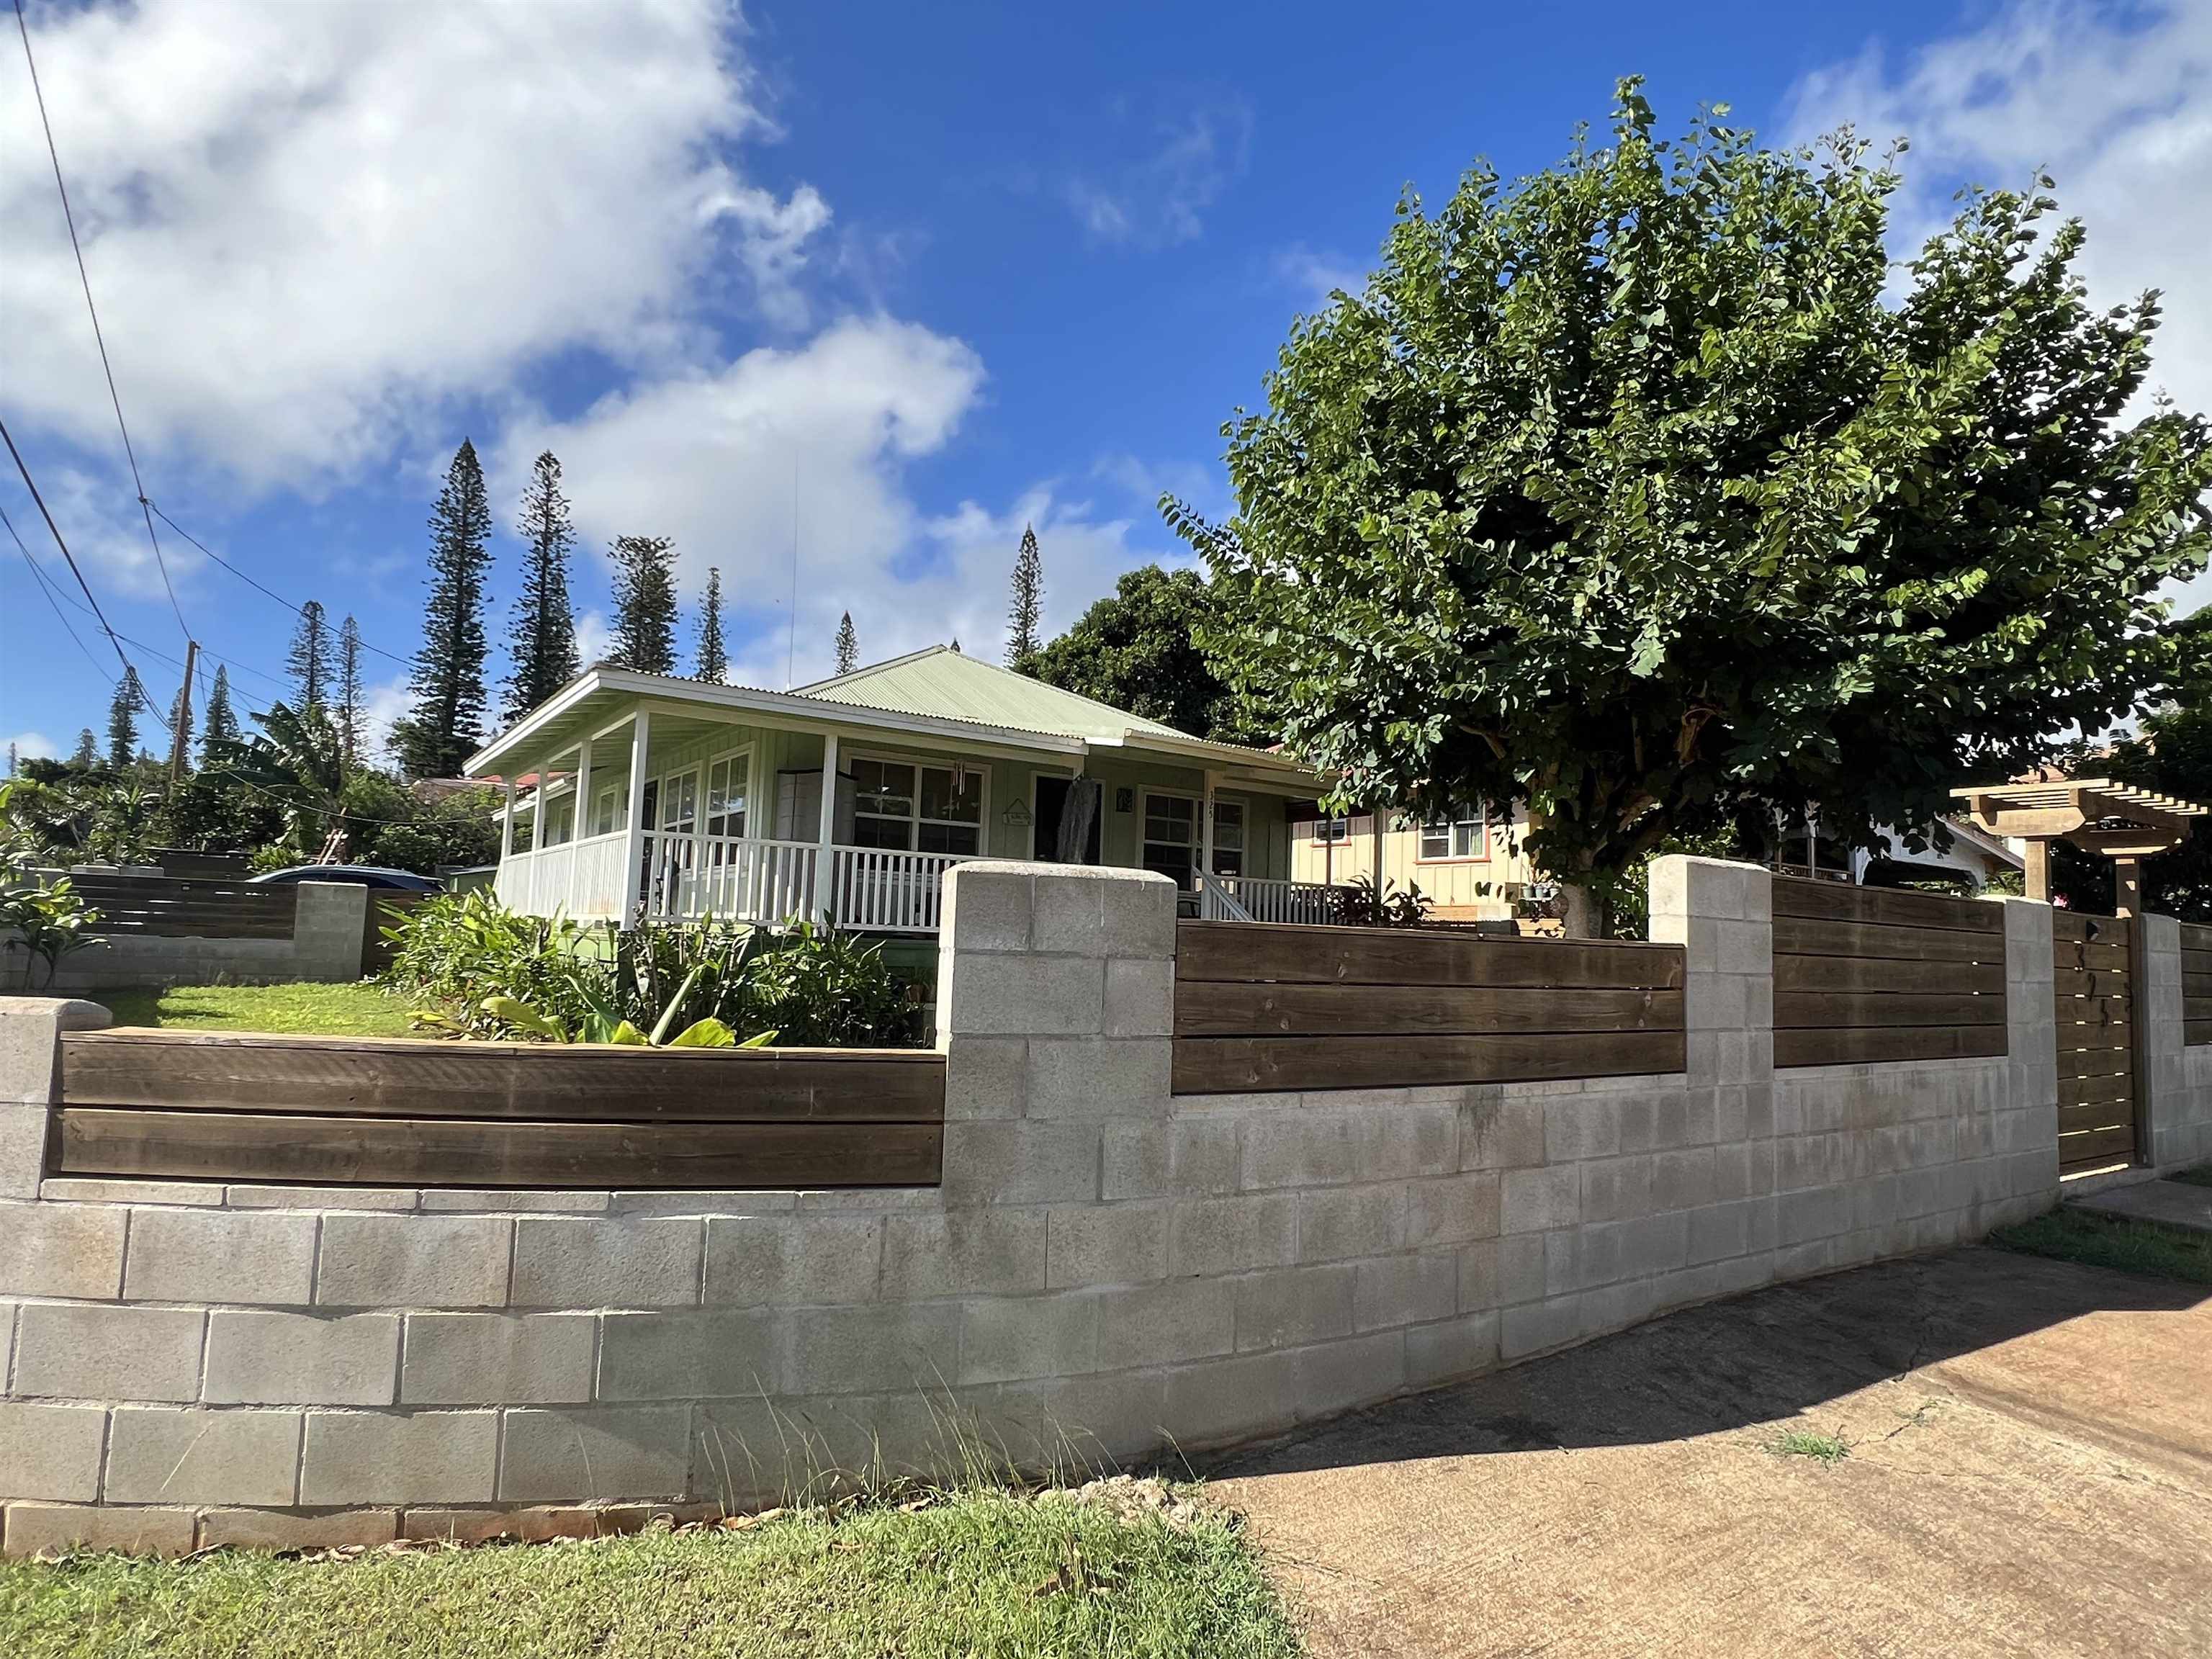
pixel 70 218
pixel 404 662
pixel 70 558
pixel 46 588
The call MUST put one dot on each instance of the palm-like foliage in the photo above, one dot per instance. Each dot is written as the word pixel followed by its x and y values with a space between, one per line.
pixel 297 760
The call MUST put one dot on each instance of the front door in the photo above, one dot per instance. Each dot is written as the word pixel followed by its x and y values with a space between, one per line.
pixel 1051 808
pixel 2093 1001
pixel 644 859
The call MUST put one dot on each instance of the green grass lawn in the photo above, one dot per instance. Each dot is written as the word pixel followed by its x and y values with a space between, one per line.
pixel 2133 1247
pixel 360 1009
pixel 983 1574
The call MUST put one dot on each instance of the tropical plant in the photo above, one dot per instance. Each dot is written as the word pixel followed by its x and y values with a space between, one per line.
pixel 296 761
pixel 454 950
pixel 1639 492
pixel 45 920
pixel 1359 903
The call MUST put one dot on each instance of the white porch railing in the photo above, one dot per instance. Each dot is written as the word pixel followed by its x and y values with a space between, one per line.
pixel 890 892
pixel 1251 898
pixel 690 877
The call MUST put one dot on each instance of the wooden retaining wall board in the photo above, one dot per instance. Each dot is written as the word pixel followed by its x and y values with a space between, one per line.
pixel 165 906
pixel 2196 983
pixel 1878 974
pixel 1278 1006
pixel 229 1106
pixel 2093 1002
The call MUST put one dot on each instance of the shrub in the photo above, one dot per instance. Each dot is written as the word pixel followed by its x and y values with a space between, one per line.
pixel 812 987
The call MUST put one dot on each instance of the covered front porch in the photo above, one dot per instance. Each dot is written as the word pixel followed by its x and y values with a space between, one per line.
pixel 709 803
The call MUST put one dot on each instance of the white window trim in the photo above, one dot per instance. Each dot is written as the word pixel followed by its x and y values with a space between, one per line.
pixel 980 773
pixel 1243 805
pixel 661 781
pixel 615 797
pixel 706 769
pixel 1421 832
pixel 1146 796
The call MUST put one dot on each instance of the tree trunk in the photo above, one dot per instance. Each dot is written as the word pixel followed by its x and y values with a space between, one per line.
pixel 1578 917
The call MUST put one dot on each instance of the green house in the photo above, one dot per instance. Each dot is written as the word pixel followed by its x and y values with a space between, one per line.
pixel 647 796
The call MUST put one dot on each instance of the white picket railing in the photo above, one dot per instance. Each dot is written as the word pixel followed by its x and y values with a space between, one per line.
pixel 1253 898
pixel 690 878
pixel 890 890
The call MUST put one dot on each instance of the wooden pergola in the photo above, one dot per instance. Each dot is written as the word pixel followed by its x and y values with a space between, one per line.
pixel 2117 821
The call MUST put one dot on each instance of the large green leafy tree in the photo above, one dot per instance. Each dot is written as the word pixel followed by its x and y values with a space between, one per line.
pixel 444 722
pixel 543 644
pixel 1635 491
pixel 1135 649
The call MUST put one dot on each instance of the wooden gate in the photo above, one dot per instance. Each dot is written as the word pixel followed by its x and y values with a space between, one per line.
pixel 2094 994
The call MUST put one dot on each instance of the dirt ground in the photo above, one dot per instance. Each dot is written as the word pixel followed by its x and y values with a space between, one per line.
pixel 2029 1472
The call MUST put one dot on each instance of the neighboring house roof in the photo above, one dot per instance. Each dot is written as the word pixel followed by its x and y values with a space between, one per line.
pixel 937 694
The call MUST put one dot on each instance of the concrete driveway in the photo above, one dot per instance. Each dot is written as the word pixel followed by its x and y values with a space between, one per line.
pixel 2030 1471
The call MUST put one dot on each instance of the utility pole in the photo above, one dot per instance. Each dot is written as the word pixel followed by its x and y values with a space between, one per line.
pixel 184 717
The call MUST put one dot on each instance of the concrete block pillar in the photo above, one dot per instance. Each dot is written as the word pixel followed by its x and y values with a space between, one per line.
pixel 328 929
pixel 2031 1046
pixel 2178 1122
pixel 1055 1006
pixel 30 1080
pixel 1722 914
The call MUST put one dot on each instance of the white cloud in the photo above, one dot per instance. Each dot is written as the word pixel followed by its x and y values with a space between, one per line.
pixel 308 226
pixel 594 637
pixel 33 746
pixel 2114 102
pixel 1189 156
pixel 382 706
pixel 1317 275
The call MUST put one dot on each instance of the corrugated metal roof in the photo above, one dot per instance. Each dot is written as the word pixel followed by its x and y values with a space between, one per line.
pixel 943 683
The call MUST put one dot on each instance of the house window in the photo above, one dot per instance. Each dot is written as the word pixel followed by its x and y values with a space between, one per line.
pixel 607 813
pixel 729 782
pixel 560 817
pixel 1228 837
pixel 680 802
pixel 1170 843
pixel 1464 834
pixel 904 806
pixel 1327 831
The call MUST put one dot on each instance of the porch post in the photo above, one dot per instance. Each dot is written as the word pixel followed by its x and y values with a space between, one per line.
pixel 632 900
pixel 579 818
pixel 507 822
pixel 825 844
pixel 1205 828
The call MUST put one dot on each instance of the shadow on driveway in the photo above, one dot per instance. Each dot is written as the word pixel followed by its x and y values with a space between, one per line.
pixel 2030 1470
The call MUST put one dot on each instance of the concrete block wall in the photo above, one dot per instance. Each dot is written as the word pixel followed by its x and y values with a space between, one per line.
pixel 2179 1077
pixel 1106 1265
pixel 324 947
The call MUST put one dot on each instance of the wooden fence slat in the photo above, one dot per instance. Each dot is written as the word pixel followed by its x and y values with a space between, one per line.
pixel 1831 901
pixel 401 1152
pixel 2095 1146
pixel 2097 1092
pixel 2109 959
pixel 2096 1114
pixel 1847 1045
pixel 1812 1009
pixel 1800 936
pixel 1217 1008
pixel 2077 925
pixel 1238 1063
pixel 2196 1031
pixel 197 1071
pixel 1886 974
pixel 1242 952
pixel 2094 1062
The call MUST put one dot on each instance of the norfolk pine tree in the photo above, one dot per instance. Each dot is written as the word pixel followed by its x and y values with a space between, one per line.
pixel 86 754
pixel 444 722
pixel 714 662
pixel 308 661
pixel 219 724
pixel 1027 604
pixel 848 645
pixel 1628 491
pixel 543 645
pixel 645 604
pixel 348 710
pixel 122 720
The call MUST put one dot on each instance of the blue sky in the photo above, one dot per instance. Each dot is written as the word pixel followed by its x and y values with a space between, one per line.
pixel 891 280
